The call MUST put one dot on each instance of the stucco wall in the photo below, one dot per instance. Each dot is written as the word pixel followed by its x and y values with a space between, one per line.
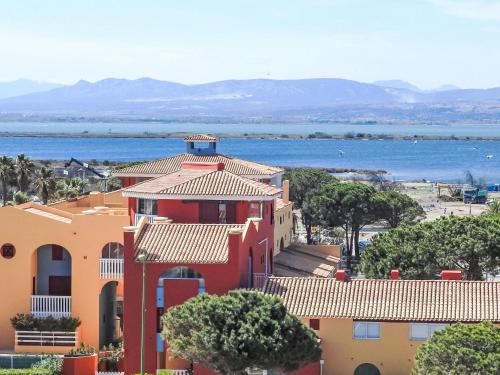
pixel 284 228
pixel 393 353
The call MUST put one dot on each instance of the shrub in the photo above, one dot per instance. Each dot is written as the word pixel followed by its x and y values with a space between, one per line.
pixel 50 363
pixel 24 371
pixel 82 351
pixel 27 322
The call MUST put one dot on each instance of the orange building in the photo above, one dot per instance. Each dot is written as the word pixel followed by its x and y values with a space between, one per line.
pixel 373 327
pixel 63 260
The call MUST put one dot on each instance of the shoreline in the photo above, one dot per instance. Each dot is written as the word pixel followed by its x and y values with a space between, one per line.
pixel 313 136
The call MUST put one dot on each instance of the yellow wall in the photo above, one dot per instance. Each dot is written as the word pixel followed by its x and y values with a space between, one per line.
pixel 285 229
pixel 83 238
pixel 393 353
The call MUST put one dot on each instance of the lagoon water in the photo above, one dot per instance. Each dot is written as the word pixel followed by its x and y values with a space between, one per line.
pixel 406 160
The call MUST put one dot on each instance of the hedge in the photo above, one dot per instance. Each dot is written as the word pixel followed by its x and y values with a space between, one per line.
pixel 24 371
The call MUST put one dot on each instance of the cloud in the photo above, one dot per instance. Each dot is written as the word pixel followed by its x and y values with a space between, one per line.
pixel 486 10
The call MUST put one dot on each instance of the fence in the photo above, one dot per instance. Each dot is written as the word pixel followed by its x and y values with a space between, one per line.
pixel 56 306
pixel 111 268
pixel 39 338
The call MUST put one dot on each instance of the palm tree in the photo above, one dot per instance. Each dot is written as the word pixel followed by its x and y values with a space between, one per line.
pixel 24 166
pixel 71 187
pixel 6 173
pixel 45 184
pixel 494 207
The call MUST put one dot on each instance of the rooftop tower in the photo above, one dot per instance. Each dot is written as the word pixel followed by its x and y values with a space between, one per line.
pixel 201 144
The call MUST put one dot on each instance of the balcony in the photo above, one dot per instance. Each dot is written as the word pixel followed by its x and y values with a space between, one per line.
pixel 138 217
pixel 55 306
pixel 111 268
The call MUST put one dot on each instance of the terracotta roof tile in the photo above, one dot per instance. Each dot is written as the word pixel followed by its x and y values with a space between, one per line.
pixel 168 165
pixel 205 183
pixel 396 300
pixel 185 243
pixel 201 138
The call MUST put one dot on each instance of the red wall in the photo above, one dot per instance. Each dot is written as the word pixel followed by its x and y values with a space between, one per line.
pixel 179 211
pixel 178 291
pixel 219 278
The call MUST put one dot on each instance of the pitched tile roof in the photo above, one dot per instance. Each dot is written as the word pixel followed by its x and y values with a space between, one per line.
pixel 188 183
pixel 171 164
pixel 395 300
pixel 185 243
pixel 201 138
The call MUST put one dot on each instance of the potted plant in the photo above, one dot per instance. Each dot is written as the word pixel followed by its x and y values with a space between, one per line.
pixel 110 357
pixel 80 361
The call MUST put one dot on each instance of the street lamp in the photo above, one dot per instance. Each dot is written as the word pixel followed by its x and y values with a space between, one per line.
pixel 142 258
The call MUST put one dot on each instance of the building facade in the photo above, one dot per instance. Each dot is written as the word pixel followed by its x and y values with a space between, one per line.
pixel 373 327
pixel 63 260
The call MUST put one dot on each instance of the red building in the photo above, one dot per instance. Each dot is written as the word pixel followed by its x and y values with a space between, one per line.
pixel 202 228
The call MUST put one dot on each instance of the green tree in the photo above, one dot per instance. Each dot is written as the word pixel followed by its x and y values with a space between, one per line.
pixel 243 329
pixel 20 197
pixel 345 205
pixel 460 349
pixel 421 251
pixel 45 184
pixel 396 208
pixel 7 171
pixel 24 167
pixel 303 181
pixel 71 187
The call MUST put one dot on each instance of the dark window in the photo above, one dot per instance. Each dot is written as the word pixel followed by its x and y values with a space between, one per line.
pixel 314 324
pixel 272 214
pixel 8 251
pixel 231 213
pixel 209 212
pixel 57 252
pixel 60 285
pixel 147 207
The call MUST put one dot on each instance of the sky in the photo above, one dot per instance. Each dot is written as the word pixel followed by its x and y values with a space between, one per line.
pixel 426 42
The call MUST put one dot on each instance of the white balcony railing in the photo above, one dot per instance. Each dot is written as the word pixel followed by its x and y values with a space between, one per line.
pixel 38 338
pixel 109 373
pixel 172 371
pixel 259 279
pixel 56 306
pixel 138 217
pixel 110 268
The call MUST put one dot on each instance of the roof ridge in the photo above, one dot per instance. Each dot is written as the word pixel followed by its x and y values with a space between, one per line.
pixel 332 279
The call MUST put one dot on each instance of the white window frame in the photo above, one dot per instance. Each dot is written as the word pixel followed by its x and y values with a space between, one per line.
pixel 366 325
pixel 431 328
pixel 149 204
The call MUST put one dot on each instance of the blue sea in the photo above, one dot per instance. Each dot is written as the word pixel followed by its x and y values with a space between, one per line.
pixel 404 160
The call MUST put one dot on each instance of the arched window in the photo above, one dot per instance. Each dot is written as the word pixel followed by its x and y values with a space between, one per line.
pixel 112 250
pixel 366 369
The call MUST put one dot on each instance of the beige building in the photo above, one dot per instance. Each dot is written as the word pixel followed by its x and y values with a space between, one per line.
pixel 373 327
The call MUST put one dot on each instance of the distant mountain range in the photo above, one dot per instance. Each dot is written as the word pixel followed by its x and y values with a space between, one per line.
pixel 241 98
pixel 24 86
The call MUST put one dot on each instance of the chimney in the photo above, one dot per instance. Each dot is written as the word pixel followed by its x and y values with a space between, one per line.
pixel 451 275
pixel 203 166
pixel 341 275
pixel 394 274
pixel 286 191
